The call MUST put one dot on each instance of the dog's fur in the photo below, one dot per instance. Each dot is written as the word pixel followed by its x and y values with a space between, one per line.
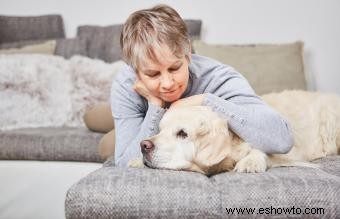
pixel 197 139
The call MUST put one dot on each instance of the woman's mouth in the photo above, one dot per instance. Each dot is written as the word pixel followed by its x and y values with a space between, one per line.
pixel 172 95
pixel 169 93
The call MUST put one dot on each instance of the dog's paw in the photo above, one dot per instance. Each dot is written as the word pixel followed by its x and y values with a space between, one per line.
pixel 136 163
pixel 254 162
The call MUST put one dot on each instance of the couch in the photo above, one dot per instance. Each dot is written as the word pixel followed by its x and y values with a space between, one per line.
pixel 59 154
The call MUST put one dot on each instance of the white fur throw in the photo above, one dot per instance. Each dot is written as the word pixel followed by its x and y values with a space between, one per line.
pixel 46 90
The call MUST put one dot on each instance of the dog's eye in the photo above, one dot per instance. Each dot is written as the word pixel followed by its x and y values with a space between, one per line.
pixel 181 134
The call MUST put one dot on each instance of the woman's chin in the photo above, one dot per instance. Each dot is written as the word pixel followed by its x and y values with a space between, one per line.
pixel 171 99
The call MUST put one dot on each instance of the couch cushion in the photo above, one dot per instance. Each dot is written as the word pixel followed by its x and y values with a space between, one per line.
pixel 70 47
pixel 61 47
pixel 52 144
pixel 104 42
pixel 99 118
pixel 30 96
pixel 268 68
pixel 113 192
pixel 47 47
pixel 20 44
pixel 194 28
pixel 13 28
pixel 34 91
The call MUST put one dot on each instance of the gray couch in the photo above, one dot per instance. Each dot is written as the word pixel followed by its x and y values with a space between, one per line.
pixel 113 192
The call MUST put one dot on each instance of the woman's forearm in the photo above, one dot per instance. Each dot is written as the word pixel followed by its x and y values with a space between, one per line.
pixel 131 131
pixel 256 123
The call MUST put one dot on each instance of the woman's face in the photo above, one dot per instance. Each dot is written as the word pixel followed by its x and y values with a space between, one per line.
pixel 167 77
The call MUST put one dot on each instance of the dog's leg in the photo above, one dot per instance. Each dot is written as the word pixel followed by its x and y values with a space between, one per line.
pixel 328 130
pixel 251 160
pixel 338 134
pixel 136 163
pixel 338 141
pixel 337 102
pixel 282 160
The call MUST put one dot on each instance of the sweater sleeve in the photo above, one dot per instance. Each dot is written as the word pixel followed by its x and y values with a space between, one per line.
pixel 247 114
pixel 132 123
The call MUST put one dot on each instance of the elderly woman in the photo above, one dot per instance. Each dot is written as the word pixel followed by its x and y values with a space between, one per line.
pixel 162 73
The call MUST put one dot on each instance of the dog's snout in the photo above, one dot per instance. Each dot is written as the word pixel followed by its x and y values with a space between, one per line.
pixel 147 146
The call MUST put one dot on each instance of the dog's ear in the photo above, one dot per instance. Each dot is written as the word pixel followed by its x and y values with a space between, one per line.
pixel 202 128
pixel 213 147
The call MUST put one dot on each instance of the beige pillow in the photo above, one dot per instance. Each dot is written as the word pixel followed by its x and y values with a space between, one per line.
pixel 47 47
pixel 106 145
pixel 267 67
pixel 99 118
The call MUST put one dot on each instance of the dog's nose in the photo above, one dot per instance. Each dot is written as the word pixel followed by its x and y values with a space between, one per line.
pixel 147 146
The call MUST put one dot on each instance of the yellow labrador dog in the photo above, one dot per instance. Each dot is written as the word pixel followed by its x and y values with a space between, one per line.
pixel 197 139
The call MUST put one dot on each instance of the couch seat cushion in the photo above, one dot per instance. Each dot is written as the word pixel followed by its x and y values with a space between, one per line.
pixel 113 192
pixel 53 144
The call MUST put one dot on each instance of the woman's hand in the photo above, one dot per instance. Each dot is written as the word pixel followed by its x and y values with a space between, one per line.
pixel 195 100
pixel 140 88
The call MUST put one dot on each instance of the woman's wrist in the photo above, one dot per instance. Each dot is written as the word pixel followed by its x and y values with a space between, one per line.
pixel 157 102
pixel 195 100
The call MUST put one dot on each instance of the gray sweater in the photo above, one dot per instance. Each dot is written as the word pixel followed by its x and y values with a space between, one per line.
pixel 227 93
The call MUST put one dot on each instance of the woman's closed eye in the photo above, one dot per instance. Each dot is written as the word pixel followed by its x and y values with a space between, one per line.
pixel 153 74
pixel 173 69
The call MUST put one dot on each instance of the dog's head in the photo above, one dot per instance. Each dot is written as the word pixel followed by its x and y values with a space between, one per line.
pixel 191 138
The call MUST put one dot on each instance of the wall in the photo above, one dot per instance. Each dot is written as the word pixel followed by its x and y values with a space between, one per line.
pixel 316 22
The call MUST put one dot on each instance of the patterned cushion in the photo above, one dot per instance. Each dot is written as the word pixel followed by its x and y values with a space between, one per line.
pixel 104 42
pixel 70 47
pixel 113 192
pixel 52 144
pixel 23 28
pixel 194 28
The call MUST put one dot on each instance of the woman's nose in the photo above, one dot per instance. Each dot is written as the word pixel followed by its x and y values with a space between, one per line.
pixel 167 81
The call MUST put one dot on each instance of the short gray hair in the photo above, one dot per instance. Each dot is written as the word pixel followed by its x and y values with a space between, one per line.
pixel 145 31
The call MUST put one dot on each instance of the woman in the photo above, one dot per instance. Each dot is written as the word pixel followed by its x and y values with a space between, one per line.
pixel 162 73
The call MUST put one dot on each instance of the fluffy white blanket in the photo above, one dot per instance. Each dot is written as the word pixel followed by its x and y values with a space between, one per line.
pixel 46 90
